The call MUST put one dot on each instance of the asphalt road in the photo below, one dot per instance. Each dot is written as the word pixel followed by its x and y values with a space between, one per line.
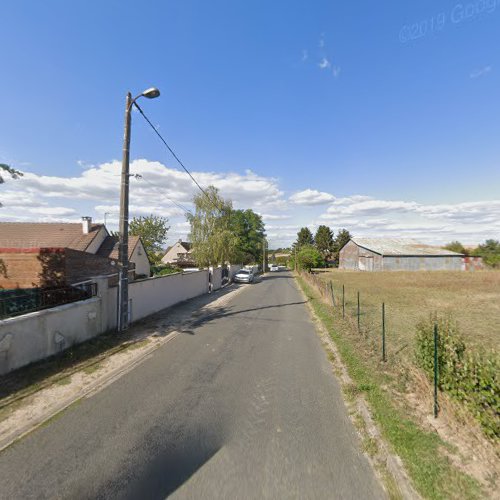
pixel 242 405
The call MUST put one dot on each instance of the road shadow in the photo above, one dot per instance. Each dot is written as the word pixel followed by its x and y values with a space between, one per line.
pixel 174 460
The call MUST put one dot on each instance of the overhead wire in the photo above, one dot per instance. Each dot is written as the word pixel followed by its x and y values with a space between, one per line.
pixel 170 149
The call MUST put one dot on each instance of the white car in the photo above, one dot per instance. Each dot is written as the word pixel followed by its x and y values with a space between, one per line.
pixel 243 276
pixel 273 268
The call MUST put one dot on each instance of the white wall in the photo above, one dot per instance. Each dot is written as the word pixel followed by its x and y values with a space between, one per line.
pixel 35 336
pixel 216 277
pixel 154 294
pixel 40 334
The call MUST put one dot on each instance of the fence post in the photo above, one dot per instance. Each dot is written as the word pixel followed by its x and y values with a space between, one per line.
pixel 436 406
pixel 384 357
pixel 333 296
pixel 343 301
pixel 358 314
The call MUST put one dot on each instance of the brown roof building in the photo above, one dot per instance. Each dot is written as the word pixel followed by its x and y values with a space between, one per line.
pixel 53 254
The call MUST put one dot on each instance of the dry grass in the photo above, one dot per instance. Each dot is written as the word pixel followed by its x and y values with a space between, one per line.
pixel 473 300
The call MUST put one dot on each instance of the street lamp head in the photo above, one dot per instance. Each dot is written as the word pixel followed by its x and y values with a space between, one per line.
pixel 151 93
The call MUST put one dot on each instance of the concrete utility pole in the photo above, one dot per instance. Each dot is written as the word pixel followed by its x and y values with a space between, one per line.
pixel 123 244
pixel 263 255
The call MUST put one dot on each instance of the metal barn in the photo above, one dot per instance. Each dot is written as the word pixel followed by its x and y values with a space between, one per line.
pixel 394 254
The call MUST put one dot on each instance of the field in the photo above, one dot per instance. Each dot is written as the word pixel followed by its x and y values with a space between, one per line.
pixel 471 298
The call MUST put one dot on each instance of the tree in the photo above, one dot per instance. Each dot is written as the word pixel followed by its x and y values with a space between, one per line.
pixel 249 229
pixel 456 246
pixel 490 252
pixel 304 237
pixel 15 174
pixel 343 236
pixel 211 234
pixel 309 257
pixel 153 232
pixel 323 240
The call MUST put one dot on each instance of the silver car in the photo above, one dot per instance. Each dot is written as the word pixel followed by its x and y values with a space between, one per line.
pixel 243 276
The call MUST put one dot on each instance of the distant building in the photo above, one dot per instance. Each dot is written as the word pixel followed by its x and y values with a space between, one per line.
pixel 179 254
pixel 393 254
pixel 46 254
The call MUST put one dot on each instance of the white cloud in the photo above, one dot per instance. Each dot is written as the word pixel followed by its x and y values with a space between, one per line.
pixel 336 71
pixel 324 63
pixel 96 190
pixel 305 55
pixel 311 197
pixel 480 72
pixel 275 217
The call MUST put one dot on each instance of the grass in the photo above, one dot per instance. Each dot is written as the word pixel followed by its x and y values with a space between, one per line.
pixel 471 298
pixel 422 451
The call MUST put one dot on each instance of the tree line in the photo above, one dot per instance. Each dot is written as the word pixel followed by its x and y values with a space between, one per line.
pixel 489 251
pixel 319 250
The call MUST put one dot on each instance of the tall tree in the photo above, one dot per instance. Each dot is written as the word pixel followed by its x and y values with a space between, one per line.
pixel 323 240
pixel 153 232
pixel 304 237
pixel 249 228
pixel 343 236
pixel 211 234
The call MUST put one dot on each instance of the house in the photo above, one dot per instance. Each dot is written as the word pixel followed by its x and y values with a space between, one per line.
pixel 136 253
pixel 394 254
pixel 179 254
pixel 40 254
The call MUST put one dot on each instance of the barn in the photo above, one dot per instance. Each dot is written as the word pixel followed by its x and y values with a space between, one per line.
pixel 394 254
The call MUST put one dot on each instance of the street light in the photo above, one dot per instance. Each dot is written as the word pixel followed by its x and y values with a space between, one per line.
pixel 150 93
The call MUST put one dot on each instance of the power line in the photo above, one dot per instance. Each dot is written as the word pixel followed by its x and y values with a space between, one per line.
pixel 170 149
pixel 178 205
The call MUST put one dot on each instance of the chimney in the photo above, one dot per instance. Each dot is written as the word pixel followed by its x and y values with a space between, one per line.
pixel 86 224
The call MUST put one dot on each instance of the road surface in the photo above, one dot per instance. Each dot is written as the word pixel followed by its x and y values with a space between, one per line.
pixel 242 405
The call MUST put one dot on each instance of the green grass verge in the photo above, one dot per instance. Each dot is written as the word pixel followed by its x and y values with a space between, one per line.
pixel 431 472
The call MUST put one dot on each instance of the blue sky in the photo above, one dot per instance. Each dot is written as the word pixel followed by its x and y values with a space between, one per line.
pixel 380 118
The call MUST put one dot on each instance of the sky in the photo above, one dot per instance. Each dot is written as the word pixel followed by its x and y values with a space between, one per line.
pixel 379 117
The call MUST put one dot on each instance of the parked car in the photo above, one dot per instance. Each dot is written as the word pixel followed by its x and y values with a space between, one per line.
pixel 243 276
pixel 274 268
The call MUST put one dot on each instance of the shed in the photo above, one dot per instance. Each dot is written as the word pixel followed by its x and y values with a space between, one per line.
pixel 395 254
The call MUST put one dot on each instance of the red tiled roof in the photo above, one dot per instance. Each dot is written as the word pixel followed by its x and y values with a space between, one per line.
pixel 46 234
pixel 109 247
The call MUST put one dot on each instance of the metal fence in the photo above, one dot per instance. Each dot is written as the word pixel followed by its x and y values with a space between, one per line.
pixel 21 301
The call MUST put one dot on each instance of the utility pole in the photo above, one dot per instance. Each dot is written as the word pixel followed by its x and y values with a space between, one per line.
pixel 263 255
pixel 123 263
pixel 123 248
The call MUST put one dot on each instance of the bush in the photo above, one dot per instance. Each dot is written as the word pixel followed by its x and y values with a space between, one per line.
pixel 468 376
pixel 164 270
pixel 308 257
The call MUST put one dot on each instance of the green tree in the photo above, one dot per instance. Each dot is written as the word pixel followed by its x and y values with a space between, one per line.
pixel 153 232
pixel 323 240
pixel 456 246
pixel 308 257
pixel 249 229
pixel 212 237
pixel 343 236
pixel 304 237
pixel 490 252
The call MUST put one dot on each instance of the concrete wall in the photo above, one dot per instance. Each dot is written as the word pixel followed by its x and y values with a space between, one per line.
pixel 154 294
pixel 35 336
pixel 216 275
pixel 40 334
